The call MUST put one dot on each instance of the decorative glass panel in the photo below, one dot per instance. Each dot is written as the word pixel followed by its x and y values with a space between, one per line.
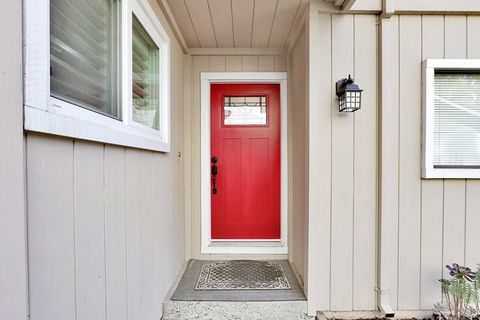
pixel 457 120
pixel 245 111
pixel 83 53
pixel 145 77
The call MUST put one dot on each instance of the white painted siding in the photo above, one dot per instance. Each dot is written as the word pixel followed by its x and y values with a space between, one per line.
pixel 13 263
pixel 106 228
pixel 436 221
pixel 342 182
pixel 205 63
pixel 297 158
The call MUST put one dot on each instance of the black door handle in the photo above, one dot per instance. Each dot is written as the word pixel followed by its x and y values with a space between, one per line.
pixel 214 174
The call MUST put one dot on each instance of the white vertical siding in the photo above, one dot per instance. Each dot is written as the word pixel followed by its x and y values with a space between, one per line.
pixel 214 63
pixel 435 225
pixel 455 28
pixel 432 190
pixel 341 241
pixel 342 165
pixel 105 223
pixel 115 235
pixel 409 138
pixel 51 228
pixel 297 155
pixel 319 138
pixel 13 246
pixel 472 216
pixel 365 168
pixel 437 221
pixel 89 240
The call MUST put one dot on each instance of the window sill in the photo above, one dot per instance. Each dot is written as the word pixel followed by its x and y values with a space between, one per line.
pixel 88 125
pixel 450 173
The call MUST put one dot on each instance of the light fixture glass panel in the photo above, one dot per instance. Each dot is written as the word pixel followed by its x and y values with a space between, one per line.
pixel 145 77
pixel 245 110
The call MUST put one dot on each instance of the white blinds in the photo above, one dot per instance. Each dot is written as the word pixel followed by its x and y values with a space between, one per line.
pixel 145 76
pixel 83 53
pixel 457 120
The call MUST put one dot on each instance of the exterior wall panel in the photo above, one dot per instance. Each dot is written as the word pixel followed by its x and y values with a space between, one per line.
pixel 13 238
pixel 342 165
pixel 435 222
pixel 365 168
pixel 297 156
pixel 410 134
pixel 106 224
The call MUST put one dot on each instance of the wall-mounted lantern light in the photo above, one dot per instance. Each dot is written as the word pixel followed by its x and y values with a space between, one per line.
pixel 349 95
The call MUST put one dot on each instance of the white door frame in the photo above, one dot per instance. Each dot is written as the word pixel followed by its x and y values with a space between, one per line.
pixel 277 246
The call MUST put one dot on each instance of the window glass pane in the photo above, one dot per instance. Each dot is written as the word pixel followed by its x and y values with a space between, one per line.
pixel 83 53
pixel 245 111
pixel 145 77
pixel 457 120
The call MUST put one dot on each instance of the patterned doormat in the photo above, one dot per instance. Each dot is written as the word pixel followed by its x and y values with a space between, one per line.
pixel 242 274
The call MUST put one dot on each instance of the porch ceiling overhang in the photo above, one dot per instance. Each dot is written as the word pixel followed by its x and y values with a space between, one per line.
pixel 239 23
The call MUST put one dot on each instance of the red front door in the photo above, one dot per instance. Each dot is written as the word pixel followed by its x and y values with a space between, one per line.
pixel 245 142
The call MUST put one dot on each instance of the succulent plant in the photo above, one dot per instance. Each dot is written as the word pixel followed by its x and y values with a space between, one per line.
pixel 460 293
pixel 461 272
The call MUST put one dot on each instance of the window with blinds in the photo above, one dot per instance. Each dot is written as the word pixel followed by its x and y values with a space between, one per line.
pixel 456 120
pixel 145 77
pixel 84 53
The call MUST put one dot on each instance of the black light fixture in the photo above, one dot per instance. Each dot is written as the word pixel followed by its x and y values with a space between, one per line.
pixel 349 95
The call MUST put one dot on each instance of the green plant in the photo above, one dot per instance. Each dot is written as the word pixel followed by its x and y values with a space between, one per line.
pixel 460 291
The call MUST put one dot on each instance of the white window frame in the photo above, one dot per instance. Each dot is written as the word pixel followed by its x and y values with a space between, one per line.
pixel 429 68
pixel 44 113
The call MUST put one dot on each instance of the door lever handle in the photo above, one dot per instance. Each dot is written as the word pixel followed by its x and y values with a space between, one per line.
pixel 214 174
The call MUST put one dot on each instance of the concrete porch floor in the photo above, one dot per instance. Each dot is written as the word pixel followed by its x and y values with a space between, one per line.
pixel 186 301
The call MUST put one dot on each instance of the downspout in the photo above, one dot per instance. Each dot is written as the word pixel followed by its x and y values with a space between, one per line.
pixel 386 221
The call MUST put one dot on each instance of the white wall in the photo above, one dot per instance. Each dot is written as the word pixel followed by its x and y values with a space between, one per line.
pixel 437 221
pixel 13 266
pixel 297 65
pixel 106 223
pixel 342 164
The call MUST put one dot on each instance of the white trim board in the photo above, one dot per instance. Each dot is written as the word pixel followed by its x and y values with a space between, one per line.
pixel 428 169
pixel 238 51
pixel 207 245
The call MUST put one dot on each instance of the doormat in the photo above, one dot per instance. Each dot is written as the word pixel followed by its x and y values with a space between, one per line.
pixel 242 274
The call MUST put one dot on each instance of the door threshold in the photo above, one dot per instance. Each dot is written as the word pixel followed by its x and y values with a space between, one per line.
pixel 243 243
pixel 246 247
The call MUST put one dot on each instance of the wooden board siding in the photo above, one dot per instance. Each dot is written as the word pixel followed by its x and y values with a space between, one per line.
pixel 319 114
pixel 214 63
pixel 342 165
pixel 13 238
pixel 297 155
pixel 106 225
pixel 364 167
pixel 436 222
pixel 237 23
pixel 409 193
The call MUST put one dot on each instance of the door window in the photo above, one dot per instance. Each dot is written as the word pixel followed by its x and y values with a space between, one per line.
pixel 245 111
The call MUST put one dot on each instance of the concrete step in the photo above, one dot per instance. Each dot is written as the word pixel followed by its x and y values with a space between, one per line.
pixel 234 310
